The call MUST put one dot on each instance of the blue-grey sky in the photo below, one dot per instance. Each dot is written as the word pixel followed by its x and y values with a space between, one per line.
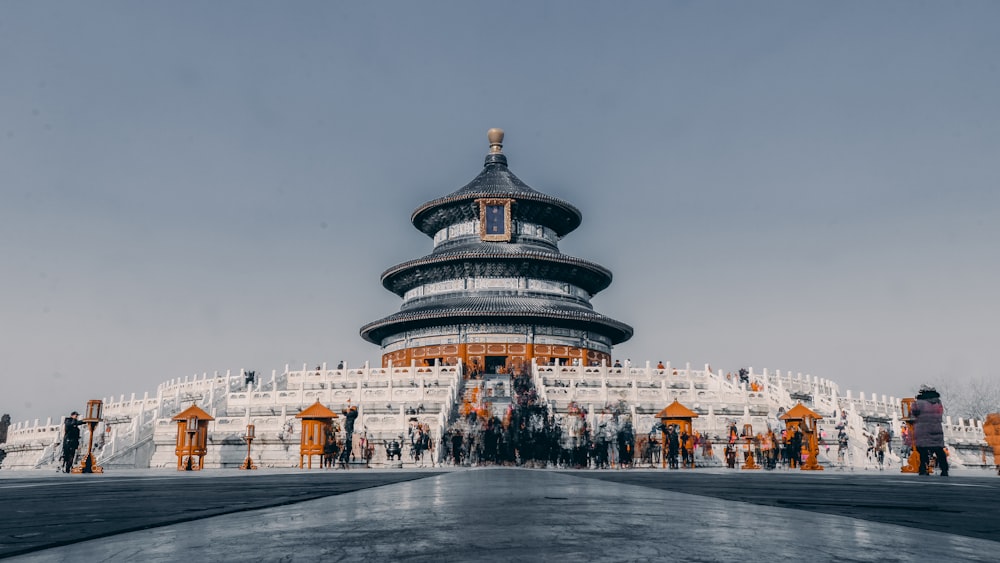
pixel 198 186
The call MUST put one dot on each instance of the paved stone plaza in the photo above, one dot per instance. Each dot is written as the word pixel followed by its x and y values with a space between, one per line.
pixel 498 514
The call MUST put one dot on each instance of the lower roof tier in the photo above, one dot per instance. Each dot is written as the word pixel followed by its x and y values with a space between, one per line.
pixel 497 308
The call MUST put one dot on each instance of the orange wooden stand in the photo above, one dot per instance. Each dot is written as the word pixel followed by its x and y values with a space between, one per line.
pixel 991 431
pixel 92 418
pixel 192 438
pixel 912 464
pixel 676 413
pixel 804 419
pixel 316 420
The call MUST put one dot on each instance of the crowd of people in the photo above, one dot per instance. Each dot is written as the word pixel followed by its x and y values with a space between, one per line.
pixel 769 450
pixel 527 434
pixel 530 436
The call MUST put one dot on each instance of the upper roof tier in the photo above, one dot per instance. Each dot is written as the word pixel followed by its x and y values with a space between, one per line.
pixel 496 181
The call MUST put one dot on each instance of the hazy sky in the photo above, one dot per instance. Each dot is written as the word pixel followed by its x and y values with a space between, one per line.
pixel 198 186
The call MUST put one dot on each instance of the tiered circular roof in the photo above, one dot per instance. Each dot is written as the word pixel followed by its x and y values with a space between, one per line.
pixel 471 257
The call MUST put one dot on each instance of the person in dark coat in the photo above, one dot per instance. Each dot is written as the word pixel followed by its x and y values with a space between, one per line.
pixel 350 415
pixel 71 440
pixel 795 449
pixel 686 454
pixel 456 447
pixel 928 434
pixel 673 447
pixel 626 445
pixel 330 449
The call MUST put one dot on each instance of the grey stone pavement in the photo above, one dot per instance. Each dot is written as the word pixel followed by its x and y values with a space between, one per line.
pixel 498 514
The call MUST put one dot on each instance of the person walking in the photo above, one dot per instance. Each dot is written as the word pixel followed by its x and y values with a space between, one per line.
pixel 928 433
pixel 456 448
pixel 626 445
pixel 330 449
pixel 881 443
pixel 686 457
pixel 71 440
pixel 842 442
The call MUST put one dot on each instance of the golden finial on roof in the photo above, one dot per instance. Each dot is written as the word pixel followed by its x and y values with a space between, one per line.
pixel 496 140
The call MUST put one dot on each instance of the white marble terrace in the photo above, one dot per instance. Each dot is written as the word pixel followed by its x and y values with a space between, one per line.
pixel 139 432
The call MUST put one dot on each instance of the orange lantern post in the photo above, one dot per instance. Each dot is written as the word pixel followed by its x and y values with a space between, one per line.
pixel 991 430
pixel 249 437
pixel 316 420
pixel 912 464
pixel 192 438
pixel 676 413
pixel 804 419
pixel 92 418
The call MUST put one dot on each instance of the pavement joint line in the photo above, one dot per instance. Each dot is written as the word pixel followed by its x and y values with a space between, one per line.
pixel 181 520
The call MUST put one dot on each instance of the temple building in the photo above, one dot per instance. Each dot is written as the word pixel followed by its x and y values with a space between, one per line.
pixel 495 297
pixel 496 292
